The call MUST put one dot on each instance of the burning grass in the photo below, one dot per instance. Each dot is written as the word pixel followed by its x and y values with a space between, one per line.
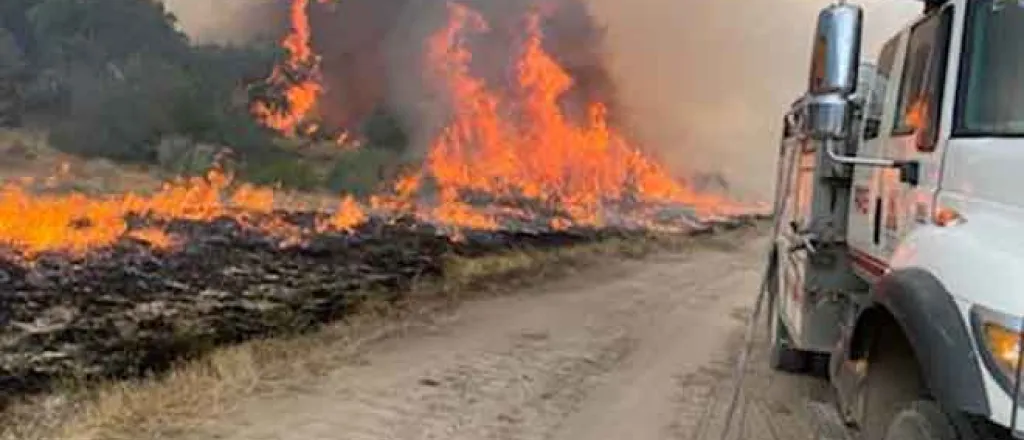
pixel 109 289
pixel 118 287
pixel 195 392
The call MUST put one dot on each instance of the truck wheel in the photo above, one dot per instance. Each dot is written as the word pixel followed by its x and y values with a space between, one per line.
pixel 892 385
pixel 923 420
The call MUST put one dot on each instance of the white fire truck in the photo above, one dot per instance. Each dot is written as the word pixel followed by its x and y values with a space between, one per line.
pixel 899 248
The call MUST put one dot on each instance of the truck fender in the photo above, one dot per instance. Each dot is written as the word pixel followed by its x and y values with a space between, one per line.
pixel 932 324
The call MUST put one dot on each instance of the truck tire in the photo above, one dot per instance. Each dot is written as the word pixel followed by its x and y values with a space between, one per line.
pixel 893 384
pixel 923 420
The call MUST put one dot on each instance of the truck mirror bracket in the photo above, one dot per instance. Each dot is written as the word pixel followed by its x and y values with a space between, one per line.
pixel 853 160
pixel 910 170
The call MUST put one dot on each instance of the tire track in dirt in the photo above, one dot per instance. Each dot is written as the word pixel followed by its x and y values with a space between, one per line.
pixel 635 351
pixel 773 405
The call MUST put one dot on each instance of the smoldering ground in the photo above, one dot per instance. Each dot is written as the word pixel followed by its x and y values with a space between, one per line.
pixel 704 83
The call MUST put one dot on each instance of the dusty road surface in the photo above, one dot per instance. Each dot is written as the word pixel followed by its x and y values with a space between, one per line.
pixel 636 350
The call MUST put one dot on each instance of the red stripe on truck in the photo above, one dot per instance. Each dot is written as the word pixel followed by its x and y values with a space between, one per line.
pixel 869 263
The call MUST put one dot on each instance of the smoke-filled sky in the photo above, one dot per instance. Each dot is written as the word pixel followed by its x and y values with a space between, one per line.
pixel 708 81
pixel 225 21
pixel 703 82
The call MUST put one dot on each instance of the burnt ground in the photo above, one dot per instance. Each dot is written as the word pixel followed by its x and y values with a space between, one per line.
pixel 129 310
pixel 637 350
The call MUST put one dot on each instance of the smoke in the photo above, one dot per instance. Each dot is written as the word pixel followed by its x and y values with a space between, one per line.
pixel 707 82
pixel 704 83
pixel 372 50
pixel 571 36
pixel 228 21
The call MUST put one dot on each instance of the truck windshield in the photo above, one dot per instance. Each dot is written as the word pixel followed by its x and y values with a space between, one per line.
pixel 992 100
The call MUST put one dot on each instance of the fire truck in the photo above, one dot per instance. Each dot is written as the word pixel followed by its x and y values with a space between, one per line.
pixel 898 252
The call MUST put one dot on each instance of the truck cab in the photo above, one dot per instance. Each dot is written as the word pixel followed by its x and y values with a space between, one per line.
pixel 899 244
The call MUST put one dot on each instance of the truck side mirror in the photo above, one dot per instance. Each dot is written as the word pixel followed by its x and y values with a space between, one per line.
pixel 835 66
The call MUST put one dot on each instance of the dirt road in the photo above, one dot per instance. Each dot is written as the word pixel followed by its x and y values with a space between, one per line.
pixel 637 350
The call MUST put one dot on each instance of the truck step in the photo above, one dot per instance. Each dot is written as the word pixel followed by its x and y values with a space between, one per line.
pixel 828 424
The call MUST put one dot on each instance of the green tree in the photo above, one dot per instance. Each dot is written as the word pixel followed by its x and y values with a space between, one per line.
pixel 97 32
pixel 14 18
pixel 125 115
pixel 12 68
pixel 114 78
pixel 383 130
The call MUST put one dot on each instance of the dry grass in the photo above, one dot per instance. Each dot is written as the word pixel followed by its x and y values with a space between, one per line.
pixel 518 268
pixel 200 391
pixel 27 154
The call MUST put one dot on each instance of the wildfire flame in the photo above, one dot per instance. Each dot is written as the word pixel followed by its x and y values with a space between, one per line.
pixel 347 216
pixel 519 149
pixel 302 95
pixel 538 153
pixel 75 224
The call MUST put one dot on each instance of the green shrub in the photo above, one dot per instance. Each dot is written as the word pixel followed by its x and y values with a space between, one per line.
pixel 180 156
pixel 115 77
pixel 286 172
pixel 384 131
pixel 362 172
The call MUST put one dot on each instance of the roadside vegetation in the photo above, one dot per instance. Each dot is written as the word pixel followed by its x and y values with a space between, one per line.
pixel 117 80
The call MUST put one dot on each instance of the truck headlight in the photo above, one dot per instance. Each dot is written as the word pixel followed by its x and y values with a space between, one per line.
pixel 999 340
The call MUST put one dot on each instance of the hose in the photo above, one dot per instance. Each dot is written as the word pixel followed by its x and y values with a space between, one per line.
pixel 783 179
pixel 740 373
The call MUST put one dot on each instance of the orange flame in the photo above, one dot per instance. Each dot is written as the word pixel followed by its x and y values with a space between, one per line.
pixel 522 147
pixel 301 97
pixel 347 216
pixel 32 224
pixel 540 152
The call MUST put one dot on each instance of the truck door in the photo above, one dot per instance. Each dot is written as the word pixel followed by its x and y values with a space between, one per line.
pixel 908 196
pixel 904 198
pixel 866 201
